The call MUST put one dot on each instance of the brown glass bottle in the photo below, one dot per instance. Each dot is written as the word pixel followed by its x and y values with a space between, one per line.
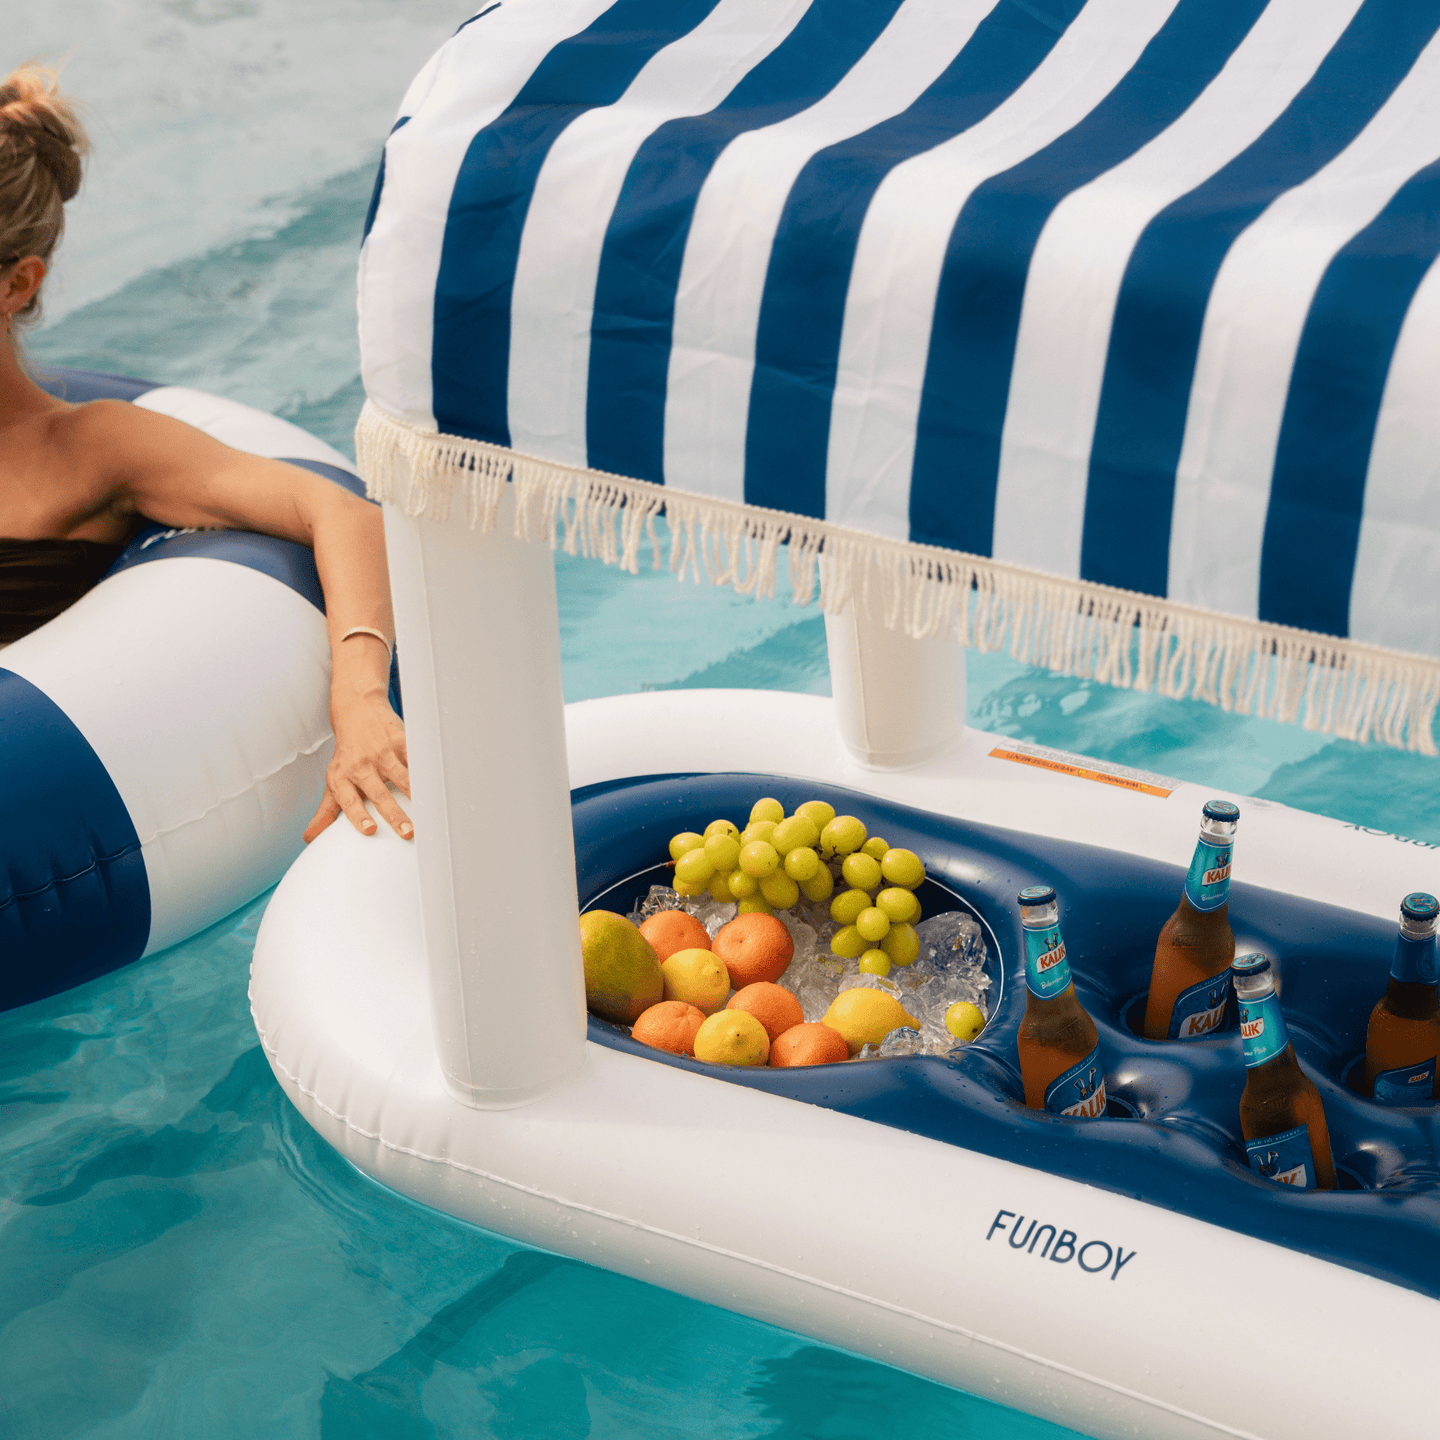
pixel 1402 1041
pixel 1058 1047
pixel 1190 979
pixel 1281 1114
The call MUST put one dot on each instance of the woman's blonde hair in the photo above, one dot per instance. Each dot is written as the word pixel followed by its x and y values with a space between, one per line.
pixel 42 149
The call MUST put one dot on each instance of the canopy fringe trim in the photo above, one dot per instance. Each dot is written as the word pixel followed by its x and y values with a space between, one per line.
pixel 1073 627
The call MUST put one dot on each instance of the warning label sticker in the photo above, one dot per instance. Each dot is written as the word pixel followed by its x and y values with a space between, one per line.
pixel 1082 767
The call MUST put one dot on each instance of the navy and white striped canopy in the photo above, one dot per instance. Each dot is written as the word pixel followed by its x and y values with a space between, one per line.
pixel 1139 292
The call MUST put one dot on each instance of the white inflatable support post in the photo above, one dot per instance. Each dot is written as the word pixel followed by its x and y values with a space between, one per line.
pixel 477 629
pixel 898 702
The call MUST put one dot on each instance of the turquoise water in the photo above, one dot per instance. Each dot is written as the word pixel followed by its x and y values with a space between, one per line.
pixel 179 1254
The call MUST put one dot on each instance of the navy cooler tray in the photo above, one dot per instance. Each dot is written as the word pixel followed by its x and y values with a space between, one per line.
pixel 1182 1148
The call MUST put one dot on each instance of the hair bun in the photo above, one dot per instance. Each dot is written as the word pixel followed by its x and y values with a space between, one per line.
pixel 35 117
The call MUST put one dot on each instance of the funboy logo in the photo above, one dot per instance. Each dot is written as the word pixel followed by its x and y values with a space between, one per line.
pixel 1094 1257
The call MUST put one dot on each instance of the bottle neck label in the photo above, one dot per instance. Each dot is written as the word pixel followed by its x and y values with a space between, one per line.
pixel 1080 1091
pixel 1207 885
pixel 1409 1085
pixel 1262 1029
pixel 1200 1009
pixel 1287 1159
pixel 1414 962
pixel 1047 971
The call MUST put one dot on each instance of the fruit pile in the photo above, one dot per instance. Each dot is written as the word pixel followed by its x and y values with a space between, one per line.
pixel 673 983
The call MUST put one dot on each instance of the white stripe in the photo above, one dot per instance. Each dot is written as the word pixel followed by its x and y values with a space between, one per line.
pixel 241 426
pixel 476 76
pixel 1253 324
pixel 722 279
pixel 1079 263
pixel 889 311
pixel 575 196
pixel 1395 594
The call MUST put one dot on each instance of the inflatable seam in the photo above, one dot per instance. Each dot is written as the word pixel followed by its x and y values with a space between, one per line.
pixel 17 896
pixel 720 1250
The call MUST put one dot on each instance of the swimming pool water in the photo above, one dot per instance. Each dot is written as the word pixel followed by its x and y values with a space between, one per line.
pixel 179 1254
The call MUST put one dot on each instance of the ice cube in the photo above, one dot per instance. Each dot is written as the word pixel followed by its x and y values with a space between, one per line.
pixel 903 1041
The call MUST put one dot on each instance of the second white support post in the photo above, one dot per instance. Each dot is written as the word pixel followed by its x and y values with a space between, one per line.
pixel 479 645
pixel 898 702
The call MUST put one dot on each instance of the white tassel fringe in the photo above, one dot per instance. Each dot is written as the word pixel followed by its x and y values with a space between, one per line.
pixel 1073 627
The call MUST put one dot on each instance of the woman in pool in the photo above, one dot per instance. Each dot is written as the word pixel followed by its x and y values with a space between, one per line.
pixel 76 481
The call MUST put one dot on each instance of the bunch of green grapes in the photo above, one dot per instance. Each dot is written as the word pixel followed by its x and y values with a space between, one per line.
pixel 877 910
pixel 767 866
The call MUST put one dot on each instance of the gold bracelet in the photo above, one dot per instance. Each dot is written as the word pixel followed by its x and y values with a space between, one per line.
pixel 368 630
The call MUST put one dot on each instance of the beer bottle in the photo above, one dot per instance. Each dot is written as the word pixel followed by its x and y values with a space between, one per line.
pixel 1403 1038
pixel 1281 1117
pixel 1190 980
pixel 1059 1053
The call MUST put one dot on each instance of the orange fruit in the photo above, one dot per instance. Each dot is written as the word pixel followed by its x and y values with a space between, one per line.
pixel 809 1045
pixel 672 930
pixel 753 947
pixel 772 1005
pixel 670 1025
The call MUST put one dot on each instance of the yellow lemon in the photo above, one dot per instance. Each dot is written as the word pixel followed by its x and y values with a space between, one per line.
pixel 697 978
pixel 866 1017
pixel 622 975
pixel 732 1037
pixel 964 1021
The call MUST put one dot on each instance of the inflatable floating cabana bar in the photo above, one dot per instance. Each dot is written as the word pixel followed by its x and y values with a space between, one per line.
pixel 1102 331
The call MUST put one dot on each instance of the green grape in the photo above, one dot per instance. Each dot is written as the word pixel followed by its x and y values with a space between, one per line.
pixel 767 809
pixel 902 867
pixel 843 835
pixel 848 906
pixel 759 859
pixel 902 944
pixel 817 812
pixel 721 827
pixel 802 864
pixel 780 890
pixel 683 887
pixel 848 943
pixel 794 833
pixel 875 962
pixel 742 885
pixel 964 1021
pixel 684 841
pixel 758 830
pixel 873 924
pixel 723 850
pixel 755 904
pixel 862 872
pixel 899 904
pixel 820 888
pixel 694 867
pixel 719 887
pixel 875 848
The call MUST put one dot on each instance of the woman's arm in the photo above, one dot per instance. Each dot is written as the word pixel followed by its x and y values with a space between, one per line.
pixel 172 473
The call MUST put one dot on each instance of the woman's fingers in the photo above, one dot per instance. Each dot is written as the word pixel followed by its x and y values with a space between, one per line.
pixel 387 806
pixel 322 819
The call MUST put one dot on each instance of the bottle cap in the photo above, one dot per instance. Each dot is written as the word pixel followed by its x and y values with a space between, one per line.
pixel 1221 810
pixel 1420 906
pixel 1252 964
pixel 1037 895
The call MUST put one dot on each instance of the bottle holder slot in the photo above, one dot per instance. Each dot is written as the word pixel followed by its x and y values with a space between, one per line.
pixel 1171 1132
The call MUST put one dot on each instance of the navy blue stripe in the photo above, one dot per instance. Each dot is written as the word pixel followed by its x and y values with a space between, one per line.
pixel 79 386
pixel 987 261
pixel 74 898
pixel 1167 284
pixel 380 180
pixel 645 242
pixel 797 343
pixel 1317 495
pixel 470 359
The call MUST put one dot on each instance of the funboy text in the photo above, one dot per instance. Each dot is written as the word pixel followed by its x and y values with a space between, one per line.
pixel 1095 1257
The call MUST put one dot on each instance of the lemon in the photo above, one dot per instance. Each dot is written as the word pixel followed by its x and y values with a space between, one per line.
pixel 866 1017
pixel 964 1021
pixel 732 1037
pixel 697 978
pixel 622 975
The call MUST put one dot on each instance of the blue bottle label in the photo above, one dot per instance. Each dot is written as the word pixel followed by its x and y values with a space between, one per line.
pixel 1207 886
pixel 1080 1090
pixel 1047 971
pixel 1200 1009
pixel 1262 1029
pixel 1287 1159
pixel 1409 1085
pixel 1414 962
